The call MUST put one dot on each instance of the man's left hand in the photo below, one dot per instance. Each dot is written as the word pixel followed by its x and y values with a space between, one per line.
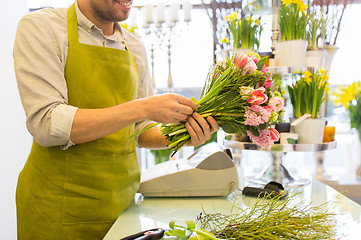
pixel 200 129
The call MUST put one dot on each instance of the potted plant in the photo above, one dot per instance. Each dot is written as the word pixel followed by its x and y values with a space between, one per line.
pixel 245 31
pixel 350 98
pixel 307 93
pixel 291 50
pixel 316 31
pixel 333 12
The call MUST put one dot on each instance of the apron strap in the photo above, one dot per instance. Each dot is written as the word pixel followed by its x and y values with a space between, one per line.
pixel 72 25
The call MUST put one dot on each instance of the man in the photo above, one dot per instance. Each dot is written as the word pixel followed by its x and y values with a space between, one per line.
pixel 84 84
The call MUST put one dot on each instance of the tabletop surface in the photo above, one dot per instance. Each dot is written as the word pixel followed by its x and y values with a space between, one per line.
pixel 147 213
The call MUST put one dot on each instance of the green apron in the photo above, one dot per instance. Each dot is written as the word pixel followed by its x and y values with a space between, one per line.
pixel 80 192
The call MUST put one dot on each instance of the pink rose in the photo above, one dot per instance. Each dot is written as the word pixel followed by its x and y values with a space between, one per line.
pixel 244 62
pixel 258 97
pixel 276 104
pixel 275 135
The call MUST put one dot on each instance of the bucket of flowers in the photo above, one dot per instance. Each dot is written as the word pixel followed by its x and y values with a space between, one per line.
pixel 350 98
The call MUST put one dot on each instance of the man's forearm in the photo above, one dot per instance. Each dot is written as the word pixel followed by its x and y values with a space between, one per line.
pixel 92 124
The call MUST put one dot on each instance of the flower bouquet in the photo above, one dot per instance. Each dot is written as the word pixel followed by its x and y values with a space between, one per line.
pixel 246 32
pixel 241 96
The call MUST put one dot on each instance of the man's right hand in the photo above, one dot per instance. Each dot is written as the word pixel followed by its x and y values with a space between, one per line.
pixel 169 108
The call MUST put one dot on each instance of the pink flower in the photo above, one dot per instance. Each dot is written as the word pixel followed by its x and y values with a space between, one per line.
pixel 275 135
pixel 258 97
pixel 263 140
pixel 265 70
pixel 256 115
pixel 254 58
pixel 276 104
pixel 244 62
pixel 267 83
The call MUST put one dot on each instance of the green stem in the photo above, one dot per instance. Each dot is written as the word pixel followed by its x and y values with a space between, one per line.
pixel 145 129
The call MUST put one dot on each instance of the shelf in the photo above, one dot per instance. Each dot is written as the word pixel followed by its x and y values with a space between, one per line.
pixel 282 147
pixel 276 171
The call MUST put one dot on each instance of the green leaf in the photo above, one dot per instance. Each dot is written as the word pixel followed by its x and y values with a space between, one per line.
pixel 228 128
pixel 177 233
pixel 261 63
pixel 254 131
pixel 204 235
pixel 262 126
pixel 171 224
pixel 190 225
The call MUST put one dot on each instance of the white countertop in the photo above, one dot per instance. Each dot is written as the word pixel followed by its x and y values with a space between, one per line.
pixel 150 213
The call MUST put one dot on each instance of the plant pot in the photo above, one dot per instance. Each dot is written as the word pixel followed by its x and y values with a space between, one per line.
pixel 310 130
pixel 316 58
pixel 291 53
pixel 331 51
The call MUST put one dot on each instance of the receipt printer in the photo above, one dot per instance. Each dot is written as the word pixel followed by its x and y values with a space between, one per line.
pixel 209 171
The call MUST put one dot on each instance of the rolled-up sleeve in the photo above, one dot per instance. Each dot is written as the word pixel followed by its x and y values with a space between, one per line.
pixel 39 72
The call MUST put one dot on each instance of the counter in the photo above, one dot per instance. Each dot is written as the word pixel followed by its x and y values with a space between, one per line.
pixel 147 213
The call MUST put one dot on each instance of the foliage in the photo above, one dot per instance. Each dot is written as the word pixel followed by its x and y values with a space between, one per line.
pixel 333 12
pixel 316 31
pixel 308 92
pixel 246 31
pixel 293 20
pixel 269 218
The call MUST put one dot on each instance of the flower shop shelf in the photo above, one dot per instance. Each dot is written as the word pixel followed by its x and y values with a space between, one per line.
pixel 276 171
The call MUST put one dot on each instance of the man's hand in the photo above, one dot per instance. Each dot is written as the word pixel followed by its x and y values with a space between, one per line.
pixel 199 129
pixel 169 108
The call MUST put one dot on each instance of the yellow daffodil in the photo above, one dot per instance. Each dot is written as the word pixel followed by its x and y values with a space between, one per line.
pixel 257 21
pixel 234 16
pixel 303 7
pixel 308 78
pixel 225 40
pixel 287 2
pixel 323 71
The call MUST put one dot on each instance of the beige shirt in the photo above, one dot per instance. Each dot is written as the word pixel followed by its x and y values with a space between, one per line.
pixel 40 52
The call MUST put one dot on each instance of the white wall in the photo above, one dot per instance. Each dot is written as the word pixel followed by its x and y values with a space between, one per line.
pixel 15 142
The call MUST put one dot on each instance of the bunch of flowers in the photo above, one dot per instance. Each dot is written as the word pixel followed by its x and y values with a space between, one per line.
pixel 308 92
pixel 293 20
pixel 350 98
pixel 246 31
pixel 240 94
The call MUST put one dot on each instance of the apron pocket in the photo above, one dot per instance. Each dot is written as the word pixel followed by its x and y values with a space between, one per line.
pixel 98 188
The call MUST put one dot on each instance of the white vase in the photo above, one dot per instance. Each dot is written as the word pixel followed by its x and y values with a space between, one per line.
pixel 310 130
pixel 316 58
pixel 331 51
pixel 291 53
